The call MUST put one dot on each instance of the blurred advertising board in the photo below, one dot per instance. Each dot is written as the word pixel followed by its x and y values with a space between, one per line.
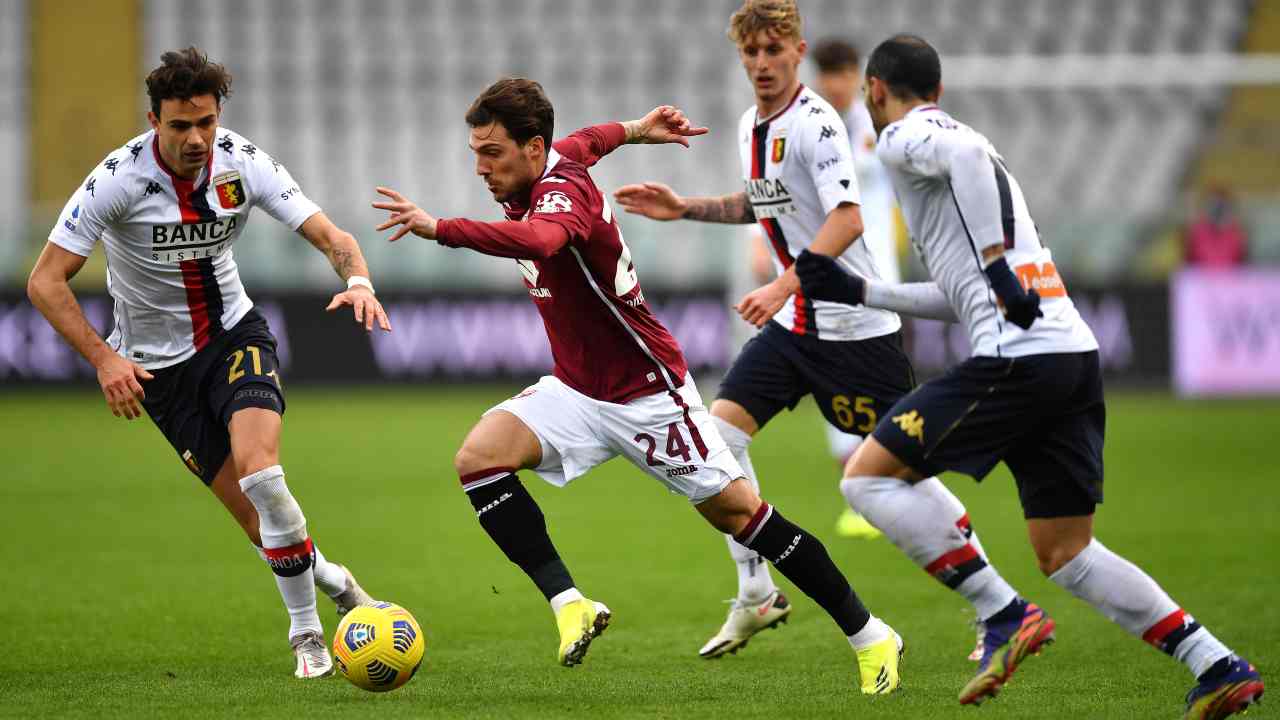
pixel 1226 332
pixel 446 337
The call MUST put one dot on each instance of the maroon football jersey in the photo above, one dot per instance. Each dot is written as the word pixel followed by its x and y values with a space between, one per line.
pixel 606 342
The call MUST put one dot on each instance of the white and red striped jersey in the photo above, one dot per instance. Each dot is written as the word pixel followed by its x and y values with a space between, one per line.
pixel 798 167
pixel 168 240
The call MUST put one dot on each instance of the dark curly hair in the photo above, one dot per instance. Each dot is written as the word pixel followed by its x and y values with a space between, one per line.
pixel 184 74
pixel 520 105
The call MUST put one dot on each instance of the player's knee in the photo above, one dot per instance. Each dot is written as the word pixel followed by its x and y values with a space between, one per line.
pixel 472 458
pixel 255 439
pixel 1052 558
pixel 732 509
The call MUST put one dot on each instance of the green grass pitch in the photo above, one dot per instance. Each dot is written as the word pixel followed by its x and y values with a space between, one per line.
pixel 128 592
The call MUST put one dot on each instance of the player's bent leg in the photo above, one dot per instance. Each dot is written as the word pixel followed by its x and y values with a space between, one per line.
pixel 498 446
pixel 929 524
pixel 758 605
pixel 739 510
pixel 282 529
pixel 1073 558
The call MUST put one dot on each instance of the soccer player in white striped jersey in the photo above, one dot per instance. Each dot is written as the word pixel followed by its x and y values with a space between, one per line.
pixel 188 345
pixel 1030 395
pixel 802 188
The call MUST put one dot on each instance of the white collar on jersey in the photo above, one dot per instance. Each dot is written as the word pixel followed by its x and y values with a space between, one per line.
pixel 553 159
pixel 783 111
pixel 924 108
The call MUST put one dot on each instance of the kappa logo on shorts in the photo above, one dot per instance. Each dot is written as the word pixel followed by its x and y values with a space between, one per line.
pixel 912 424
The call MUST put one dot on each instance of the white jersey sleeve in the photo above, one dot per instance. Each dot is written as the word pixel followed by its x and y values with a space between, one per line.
pixel 964 210
pixel 100 201
pixel 824 150
pixel 273 189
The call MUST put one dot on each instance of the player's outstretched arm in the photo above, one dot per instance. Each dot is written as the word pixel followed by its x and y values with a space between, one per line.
pixel 663 124
pixel 659 202
pixel 344 255
pixel 534 240
pixel 51 293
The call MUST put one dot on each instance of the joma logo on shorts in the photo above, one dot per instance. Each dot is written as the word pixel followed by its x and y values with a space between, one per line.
pixel 683 470
pixel 795 542
pixel 501 498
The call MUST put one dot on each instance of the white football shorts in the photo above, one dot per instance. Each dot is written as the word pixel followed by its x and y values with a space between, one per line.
pixel 670 436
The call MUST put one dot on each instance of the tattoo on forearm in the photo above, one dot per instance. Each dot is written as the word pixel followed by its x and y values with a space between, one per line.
pixel 733 209
pixel 343 261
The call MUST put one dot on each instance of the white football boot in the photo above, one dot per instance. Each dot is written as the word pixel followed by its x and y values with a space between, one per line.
pixel 352 597
pixel 313 656
pixel 745 621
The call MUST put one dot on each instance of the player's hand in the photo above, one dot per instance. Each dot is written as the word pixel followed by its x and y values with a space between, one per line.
pixel 366 307
pixel 761 304
pixel 821 278
pixel 119 380
pixel 1022 310
pixel 412 218
pixel 663 124
pixel 652 200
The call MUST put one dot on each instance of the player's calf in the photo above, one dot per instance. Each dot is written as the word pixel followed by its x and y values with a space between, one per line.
pixel 804 561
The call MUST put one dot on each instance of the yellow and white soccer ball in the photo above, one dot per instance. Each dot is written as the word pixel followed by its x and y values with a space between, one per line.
pixel 378 647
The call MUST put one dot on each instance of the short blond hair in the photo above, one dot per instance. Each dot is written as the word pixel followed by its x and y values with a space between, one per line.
pixel 778 17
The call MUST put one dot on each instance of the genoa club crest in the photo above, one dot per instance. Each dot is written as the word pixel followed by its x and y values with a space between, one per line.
pixel 779 147
pixel 230 190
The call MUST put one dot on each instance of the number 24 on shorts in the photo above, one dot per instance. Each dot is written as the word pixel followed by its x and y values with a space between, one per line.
pixel 847 416
pixel 675 445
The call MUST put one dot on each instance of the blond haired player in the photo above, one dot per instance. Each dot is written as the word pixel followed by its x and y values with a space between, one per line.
pixel 801 186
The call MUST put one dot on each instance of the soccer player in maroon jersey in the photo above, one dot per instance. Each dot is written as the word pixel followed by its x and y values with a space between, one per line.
pixel 188 344
pixel 620 385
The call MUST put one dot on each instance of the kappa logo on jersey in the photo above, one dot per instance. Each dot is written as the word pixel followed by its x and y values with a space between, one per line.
pixel 554 202
pixel 230 189
pixel 912 424
pixel 779 149
pixel 827 132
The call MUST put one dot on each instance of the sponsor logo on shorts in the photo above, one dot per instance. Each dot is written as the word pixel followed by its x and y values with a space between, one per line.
pixel 912 424
pixel 682 470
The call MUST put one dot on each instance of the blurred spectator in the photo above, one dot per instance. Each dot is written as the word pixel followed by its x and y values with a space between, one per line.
pixel 1216 239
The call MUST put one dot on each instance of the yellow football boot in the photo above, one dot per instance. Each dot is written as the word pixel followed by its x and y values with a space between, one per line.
pixel 580 622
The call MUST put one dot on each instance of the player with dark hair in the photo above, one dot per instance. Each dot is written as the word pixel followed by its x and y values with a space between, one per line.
pixel 802 188
pixel 188 344
pixel 1030 395
pixel 620 384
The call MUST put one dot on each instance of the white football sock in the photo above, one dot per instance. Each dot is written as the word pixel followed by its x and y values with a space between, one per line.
pixel 564 597
pixel 755 584
pixel 873 632
pixel 329 577
pixel 285 543
pixel 1129 597
pixel 921 520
